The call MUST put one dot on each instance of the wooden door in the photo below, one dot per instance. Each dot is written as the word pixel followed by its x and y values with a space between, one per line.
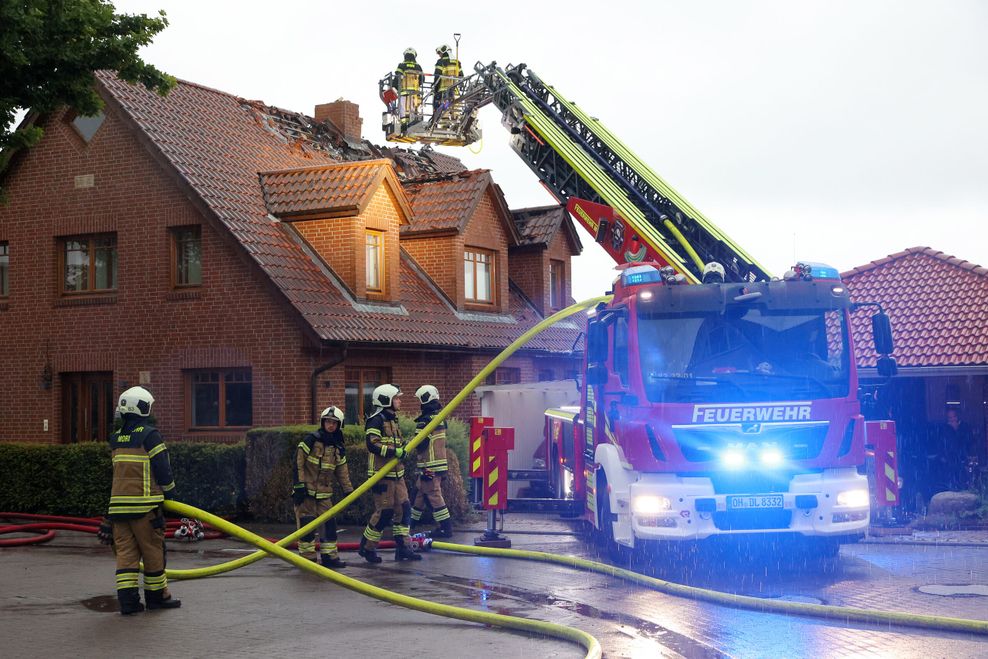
pixel 87 406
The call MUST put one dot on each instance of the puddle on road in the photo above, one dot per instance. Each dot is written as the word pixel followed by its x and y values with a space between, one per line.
pixel 102 604
pixel 955 590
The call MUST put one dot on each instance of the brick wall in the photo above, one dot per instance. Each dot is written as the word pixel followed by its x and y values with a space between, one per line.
pixel 335 240
pixel 233 319
pixel 441 257
pixel 529 271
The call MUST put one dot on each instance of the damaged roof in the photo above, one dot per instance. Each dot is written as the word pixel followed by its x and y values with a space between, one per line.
pixel 217 145
pixel 938 305
pixel 538 225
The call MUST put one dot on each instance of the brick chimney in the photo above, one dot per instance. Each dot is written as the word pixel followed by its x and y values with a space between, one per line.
pixel 344 115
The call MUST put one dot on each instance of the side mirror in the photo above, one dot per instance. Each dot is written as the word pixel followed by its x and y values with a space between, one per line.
pixel 886 367
pixel 596 343
pixel 881 330
pixel 596 374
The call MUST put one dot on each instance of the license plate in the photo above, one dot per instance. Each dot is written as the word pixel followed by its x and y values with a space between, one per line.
pixel 752 501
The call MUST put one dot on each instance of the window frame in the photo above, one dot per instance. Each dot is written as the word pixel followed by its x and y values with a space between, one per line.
pixel 5 269
pixel 358 374
pixel 504 375
pixel 175 251
pixel 189 393
pixel 90 240
pixel 492 270
pixel 557 286
pixel 378 237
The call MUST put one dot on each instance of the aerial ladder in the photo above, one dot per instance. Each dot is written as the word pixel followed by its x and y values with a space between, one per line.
pixel 628 209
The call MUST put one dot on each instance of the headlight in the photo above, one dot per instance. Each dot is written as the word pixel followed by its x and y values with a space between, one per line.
pixel 854 498
pixel 771 457
pixel 649 504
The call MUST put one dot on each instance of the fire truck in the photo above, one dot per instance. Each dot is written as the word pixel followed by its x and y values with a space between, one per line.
pixel 715 398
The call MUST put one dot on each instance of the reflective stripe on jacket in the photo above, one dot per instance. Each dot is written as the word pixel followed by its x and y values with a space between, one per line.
pixel 383 437
pixel 320 458
pixel 140 464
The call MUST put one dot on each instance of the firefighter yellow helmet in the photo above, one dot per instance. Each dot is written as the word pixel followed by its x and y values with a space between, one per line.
pixel 427 393
pixel 384 395
pixel 136 400
pixel 333 414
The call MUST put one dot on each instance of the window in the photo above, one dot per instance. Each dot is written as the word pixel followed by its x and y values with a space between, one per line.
pixel 87 126
pixel 89 263
pixel 546 375
pixel 505 375
pixel 4 269
pixel 374 246
pixel 360 383
pixel 557 284
pixel 478 275
pixel 220 398
pixel 187 256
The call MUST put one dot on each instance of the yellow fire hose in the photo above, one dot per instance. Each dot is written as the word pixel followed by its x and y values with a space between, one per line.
pixel 567 633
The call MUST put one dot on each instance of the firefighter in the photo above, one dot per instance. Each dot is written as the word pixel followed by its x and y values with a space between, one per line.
pixel 432 465
pixel 319 459
pixel 134 524
pixel 391 504
pixel 408 79
pixel 446 76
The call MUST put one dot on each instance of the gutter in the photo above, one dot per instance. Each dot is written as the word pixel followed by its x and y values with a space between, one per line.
pixel 313 412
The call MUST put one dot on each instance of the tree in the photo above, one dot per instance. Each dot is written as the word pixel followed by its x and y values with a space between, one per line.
pixel 50 49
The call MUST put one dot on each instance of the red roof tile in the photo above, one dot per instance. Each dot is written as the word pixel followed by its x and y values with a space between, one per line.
pixel 447 202
pixel 538 226
pixel 938 305
pixel 339 189
pixel 218 144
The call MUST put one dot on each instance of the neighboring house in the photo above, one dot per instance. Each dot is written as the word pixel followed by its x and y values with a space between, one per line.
pixel 938 305
pixel 251 265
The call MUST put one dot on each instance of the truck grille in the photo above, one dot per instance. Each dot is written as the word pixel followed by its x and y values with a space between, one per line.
pixel 706 443
pixel 752 520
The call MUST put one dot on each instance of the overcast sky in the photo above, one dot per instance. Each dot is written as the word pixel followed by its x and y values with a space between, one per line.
pixel 837 131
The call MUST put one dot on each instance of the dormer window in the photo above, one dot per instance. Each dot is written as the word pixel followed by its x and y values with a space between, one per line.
pixel 374 246
pixel 478 275
pixel 85 126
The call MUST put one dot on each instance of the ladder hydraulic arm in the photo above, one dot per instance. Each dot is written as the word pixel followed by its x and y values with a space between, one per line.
pixel 631 210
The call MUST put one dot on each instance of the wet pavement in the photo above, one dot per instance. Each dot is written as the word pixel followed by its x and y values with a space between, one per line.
pixel 58 599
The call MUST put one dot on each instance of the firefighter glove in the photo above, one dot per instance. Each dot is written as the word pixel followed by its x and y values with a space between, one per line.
pixel 399 452
pixel 105 532
pixel 298 493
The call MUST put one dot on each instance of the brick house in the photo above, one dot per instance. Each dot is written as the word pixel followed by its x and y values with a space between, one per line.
pixel 938 305
pixel 251 265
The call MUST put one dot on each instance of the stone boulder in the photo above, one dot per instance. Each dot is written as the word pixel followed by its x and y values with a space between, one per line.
pixel 952 503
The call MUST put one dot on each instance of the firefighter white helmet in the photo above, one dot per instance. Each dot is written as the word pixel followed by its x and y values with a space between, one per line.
pixel 427 393
pixel 443 50
pixel 713 273
pixel 332 413
pixel 411 51
pixel 385 394
pixel 136 400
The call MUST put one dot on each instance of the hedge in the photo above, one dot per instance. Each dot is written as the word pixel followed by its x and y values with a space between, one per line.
pixel 74 479
pixel 270 452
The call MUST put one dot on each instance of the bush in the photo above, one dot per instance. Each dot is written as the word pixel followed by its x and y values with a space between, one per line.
pixel 270 452
pixel 74 479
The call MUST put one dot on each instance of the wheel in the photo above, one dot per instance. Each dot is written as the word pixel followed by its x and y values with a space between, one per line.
pixel 605 534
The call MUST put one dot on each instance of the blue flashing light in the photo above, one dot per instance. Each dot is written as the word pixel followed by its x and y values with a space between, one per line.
pixel 641 275
pixel 823 271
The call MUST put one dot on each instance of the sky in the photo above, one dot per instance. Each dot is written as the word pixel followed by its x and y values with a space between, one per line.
pixel 838 131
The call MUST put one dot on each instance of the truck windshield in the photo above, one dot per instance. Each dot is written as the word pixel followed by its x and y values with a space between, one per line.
pixel 746 353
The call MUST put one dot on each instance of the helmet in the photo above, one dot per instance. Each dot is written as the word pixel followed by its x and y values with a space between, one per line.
pixel 333 413
pixel 410 52
pixel 136 400
pixel 384 395
pixel 427 393
pixel 713 273
pixel 443 50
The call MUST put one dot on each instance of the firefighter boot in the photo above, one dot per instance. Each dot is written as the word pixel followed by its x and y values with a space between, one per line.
pixel 130 602
pixel 332 562
pixel 403 552
pixel 156 600
pixel 445 530
pixel 369 554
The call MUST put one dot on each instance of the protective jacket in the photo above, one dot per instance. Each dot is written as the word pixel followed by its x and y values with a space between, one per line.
pixel 319 459
pixel 383 437
pixel 447 70
pixel 431 453
pixel 142 474
pixel 409 77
